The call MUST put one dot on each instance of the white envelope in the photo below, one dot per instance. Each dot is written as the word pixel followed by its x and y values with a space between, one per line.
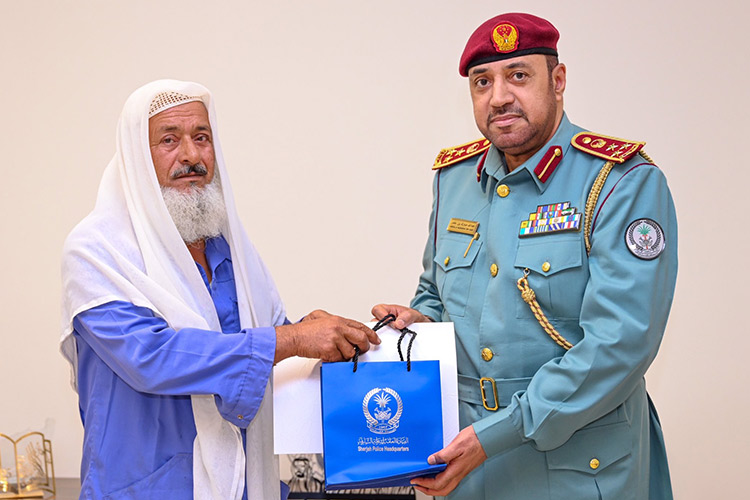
pixel 297 425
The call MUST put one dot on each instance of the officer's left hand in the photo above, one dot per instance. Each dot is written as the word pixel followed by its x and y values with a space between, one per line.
pixel 463 454
pixel 405 316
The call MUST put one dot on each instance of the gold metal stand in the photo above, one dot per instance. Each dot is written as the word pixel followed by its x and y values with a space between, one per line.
pixel 30 474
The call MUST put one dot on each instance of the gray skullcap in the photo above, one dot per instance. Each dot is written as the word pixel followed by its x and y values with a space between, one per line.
pixel 166 100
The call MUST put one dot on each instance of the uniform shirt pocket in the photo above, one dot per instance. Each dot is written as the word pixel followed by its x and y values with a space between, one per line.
pixel 555 275
pixel 454 271
pixel 593 463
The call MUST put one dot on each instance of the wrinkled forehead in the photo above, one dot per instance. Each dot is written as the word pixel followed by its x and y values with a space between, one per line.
pixel 166 100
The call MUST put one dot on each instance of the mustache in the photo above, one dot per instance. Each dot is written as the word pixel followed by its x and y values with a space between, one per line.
pixel 198 168
pixel 508 109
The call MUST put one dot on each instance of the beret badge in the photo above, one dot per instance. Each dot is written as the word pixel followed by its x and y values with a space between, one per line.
pixel 505 37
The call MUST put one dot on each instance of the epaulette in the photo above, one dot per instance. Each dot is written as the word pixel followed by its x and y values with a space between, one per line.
pixel 609 148
pixel 450 156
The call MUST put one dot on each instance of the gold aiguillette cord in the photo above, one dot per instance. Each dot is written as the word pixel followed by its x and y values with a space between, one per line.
pixel 529 297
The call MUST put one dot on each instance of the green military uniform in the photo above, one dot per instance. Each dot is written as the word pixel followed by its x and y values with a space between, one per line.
pixel 570 424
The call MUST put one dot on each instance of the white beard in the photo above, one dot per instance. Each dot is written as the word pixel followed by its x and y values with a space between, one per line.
pixel 198 213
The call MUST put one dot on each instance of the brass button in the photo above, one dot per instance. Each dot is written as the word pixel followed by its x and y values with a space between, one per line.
pixel 240 417
pixel 594 464
pixel 493 270
pixel 503 190
pixel 447 259
pixel 545 267
pixel 487 354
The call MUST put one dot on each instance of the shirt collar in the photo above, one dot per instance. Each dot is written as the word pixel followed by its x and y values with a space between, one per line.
pixel 495 166
pixel 217 251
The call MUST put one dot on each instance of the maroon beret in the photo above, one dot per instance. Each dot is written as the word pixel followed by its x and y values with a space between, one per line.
pixel 507 36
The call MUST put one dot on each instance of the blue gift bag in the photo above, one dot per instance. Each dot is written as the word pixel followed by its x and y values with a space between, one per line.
pixel 380 422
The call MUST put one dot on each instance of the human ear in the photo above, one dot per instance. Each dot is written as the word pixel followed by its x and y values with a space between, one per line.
pixel 559 74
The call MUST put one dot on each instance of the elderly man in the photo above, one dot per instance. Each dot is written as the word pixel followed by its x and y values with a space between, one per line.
pixel 554 252
pixel 172 322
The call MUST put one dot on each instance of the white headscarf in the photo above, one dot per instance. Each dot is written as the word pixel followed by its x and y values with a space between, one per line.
pixel 129 249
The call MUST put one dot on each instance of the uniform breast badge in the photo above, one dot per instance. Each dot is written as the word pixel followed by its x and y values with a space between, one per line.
pixel 645 239
pixel 551 219
pixel 464 226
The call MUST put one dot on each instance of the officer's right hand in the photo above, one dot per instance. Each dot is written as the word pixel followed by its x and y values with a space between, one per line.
pixel 323 336
pixel 405 316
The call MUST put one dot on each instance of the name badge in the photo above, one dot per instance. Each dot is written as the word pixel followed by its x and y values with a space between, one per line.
pixel 463 226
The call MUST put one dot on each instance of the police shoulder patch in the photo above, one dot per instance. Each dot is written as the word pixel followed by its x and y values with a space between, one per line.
pixel 451 156
pixel 609 148
pixel 645 239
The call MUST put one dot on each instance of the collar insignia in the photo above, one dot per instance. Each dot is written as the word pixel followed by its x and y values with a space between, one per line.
pixel 480 166
pixel 450 156
pixel 549 163
pixel 551 219
pixel 609 148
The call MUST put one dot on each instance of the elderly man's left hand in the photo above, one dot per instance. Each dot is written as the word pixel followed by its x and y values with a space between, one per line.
pixel 463 454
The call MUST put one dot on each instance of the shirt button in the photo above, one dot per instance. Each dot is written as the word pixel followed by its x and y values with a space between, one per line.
pixel 546 267
pixel 594 464
pixel 447 260
pixel 503 190
pixel 493 270
pixel 487 354
pixel 240 417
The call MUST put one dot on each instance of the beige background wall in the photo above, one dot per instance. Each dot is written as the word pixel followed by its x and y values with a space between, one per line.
pixel 330 115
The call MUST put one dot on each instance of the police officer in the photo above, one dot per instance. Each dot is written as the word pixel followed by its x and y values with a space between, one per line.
pixel 553 250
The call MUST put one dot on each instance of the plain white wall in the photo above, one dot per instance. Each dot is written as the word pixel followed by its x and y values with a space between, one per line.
pixel 330 115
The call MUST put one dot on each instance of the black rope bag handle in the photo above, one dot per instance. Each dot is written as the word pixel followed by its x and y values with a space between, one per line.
pixel 390 318
pixel 413 334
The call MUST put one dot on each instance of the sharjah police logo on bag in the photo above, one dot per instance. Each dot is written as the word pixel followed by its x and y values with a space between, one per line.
pixel 382 408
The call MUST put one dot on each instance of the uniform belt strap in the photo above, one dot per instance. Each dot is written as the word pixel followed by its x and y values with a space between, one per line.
pixel 470 389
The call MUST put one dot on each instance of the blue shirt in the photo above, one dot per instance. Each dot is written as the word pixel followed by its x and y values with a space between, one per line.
pixel 135 378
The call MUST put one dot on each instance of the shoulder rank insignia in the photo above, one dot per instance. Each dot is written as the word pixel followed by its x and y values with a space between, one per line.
pixel 449 156
pixel 609 148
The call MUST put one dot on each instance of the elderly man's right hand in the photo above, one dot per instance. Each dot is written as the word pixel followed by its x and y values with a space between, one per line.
pixel 323 336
